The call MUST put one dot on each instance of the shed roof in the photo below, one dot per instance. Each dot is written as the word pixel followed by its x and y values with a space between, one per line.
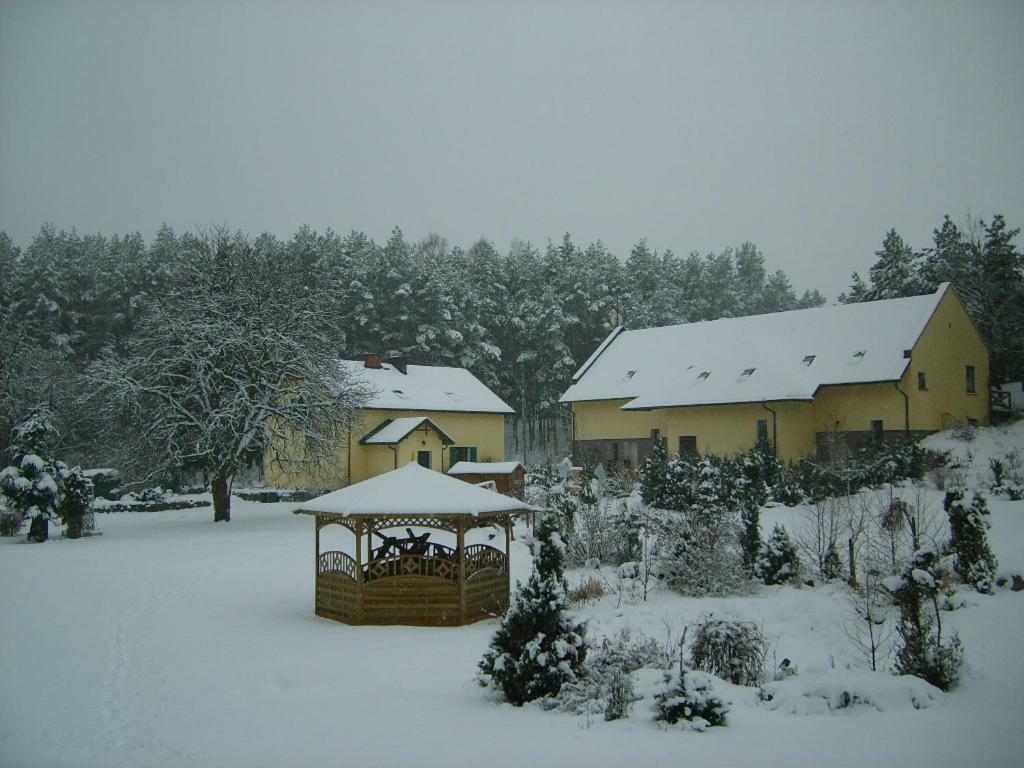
pixel 425 388
pixel 780 356
pixel 412 490
pixel 395 431
pixel 484 467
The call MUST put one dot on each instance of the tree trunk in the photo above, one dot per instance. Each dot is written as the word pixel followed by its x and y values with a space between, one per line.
pixel 221 487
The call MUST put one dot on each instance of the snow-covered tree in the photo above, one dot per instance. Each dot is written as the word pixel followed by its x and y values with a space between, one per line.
pixel 921 650
pixel 778 562
pixel 701 545
pixel 975 563
pixel 538 646
pixel 31 483
pixel 238 363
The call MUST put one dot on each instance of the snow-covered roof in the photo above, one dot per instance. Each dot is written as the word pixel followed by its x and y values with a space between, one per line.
pixel 780 356
pixel 395 431
pixel 484 467
pixel 425 388
pixel 413 490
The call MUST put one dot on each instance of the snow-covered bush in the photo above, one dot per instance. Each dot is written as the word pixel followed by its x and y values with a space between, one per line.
pixel 689 697
pixel 592 530
pixel 917 592
pixel 152 495
pixel 538 647
pixel 778 562
pixel 975 563
pixel 839 690
pixel 699 548
pixel 605 683
pixel 733 649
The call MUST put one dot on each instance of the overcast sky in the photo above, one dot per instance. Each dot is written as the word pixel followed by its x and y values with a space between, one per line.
pixel 809 128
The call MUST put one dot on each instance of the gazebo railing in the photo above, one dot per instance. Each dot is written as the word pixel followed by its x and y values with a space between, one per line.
pixel 439 561
pixel 481 557
pixel 337 562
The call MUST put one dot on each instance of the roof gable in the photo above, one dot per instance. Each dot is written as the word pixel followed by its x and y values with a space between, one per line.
pixel 425 388
pixel 780 356
pixel 394 431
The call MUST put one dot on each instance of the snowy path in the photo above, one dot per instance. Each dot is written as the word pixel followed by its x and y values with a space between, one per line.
pixel 173 641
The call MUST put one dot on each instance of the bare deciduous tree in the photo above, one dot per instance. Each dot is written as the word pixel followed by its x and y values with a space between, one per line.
pixel 242 362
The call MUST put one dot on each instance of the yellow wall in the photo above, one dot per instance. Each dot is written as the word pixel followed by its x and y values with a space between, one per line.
pixel 948 344
pixel 484 431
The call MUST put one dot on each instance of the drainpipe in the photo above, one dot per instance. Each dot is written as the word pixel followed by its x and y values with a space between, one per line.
pixel 775 428
pixel 394 451
pixel 906 408
pixel 572 428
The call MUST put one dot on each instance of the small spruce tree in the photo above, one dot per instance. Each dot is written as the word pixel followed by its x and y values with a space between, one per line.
pixel 653 474
pixel 32 483
pixel 778 562
pixel 921 650
pixel 538 647
pixel 975 563
pixel 832 564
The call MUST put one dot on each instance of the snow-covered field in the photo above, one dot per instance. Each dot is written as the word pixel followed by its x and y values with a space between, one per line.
pixel 171 640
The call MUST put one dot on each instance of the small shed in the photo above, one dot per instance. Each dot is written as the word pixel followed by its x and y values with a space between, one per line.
pixel 509 477
pixel 394 579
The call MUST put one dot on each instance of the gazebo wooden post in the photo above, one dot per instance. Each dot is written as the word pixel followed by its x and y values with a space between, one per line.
pixel 316 551
pixel 358 530
pixel 461 545
pixel 508 541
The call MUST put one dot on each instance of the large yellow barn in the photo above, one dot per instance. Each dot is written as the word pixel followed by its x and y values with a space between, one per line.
pixel 433 415
pixel 798 380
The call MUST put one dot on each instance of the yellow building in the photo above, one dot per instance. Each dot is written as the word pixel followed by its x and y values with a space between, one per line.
pixel 433 415
pixel 798 380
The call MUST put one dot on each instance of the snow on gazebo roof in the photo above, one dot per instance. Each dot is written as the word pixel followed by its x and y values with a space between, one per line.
pixel 412 490
pixel 484 467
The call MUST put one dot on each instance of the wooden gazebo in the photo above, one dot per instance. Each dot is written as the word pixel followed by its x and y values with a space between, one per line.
pixel 410 580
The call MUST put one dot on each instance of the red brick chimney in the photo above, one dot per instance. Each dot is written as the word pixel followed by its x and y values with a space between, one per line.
pixel 371 361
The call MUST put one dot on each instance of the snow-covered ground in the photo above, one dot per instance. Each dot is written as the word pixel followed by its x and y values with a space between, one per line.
pixel 171 640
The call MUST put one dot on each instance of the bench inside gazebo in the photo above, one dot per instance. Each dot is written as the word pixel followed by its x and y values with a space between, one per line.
pixel 391 578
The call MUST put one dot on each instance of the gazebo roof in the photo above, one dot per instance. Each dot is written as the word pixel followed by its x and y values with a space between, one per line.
pixel 412 490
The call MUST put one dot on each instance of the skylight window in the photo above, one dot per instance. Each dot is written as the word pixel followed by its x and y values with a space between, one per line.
pixel 453 396
pixel 860 353
pixel 400 393
pixel 747 373
pixel 703 375
pixel 630 375
pixel 808 360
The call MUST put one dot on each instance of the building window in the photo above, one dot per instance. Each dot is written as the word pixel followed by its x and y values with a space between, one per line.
pixel 467 453
pixel 762 431
pixel 425 459
pixel 876 428
pixel 922 380
pixel 687 445
pixel 615 451
pixel 808 360
pixel 703 375
pixel 971 385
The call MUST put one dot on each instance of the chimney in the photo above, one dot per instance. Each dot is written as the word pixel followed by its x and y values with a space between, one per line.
pixel 371 361
pixel 399 364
